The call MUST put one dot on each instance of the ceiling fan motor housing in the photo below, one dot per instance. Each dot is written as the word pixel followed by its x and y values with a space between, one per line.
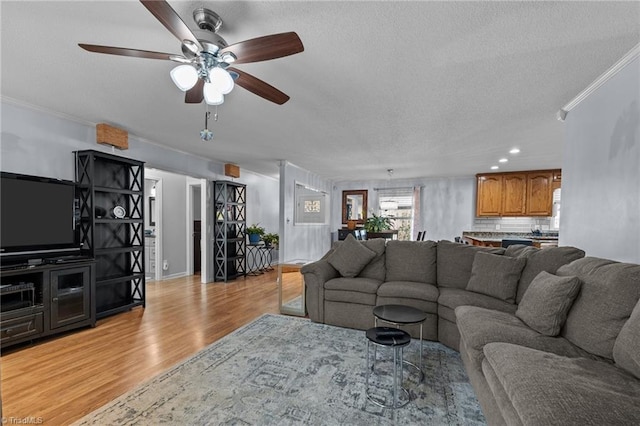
pixel 208 23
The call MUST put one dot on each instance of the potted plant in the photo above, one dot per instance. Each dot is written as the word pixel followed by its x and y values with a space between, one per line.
pixel 377 223
pixel 255 233
pixel 271 239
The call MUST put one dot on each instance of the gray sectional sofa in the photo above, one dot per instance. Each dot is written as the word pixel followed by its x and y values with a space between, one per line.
pixel 547 336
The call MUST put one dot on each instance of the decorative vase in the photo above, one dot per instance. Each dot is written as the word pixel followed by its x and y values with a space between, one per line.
pixel 351 224
pixel 254 238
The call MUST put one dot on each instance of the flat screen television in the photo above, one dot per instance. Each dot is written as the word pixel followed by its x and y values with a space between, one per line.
pixel 37 216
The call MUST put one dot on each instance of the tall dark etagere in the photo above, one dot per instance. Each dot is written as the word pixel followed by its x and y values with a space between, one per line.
pixel 230 243
pixel 111 203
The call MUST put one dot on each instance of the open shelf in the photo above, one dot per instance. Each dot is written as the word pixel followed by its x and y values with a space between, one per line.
pixel 105 181
pixel 230 230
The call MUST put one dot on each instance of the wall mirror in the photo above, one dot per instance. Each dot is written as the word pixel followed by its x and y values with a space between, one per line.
pixel 354 205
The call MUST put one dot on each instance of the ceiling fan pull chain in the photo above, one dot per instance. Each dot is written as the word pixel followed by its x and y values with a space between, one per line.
pixel 206 134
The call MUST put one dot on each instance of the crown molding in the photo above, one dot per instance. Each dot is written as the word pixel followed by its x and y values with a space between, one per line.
pixel 633 54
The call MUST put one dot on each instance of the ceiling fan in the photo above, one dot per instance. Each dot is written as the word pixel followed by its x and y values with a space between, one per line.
pixel 205 71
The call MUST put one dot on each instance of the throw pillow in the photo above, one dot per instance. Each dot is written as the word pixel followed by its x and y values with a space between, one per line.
pixel 626 350
pixel 496 275
pixel 547 301
pixel 350 257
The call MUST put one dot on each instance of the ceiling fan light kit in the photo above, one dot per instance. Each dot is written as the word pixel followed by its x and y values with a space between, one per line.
pixel 205 71
pixel 184 76
pixel 212 96
pixel 220 80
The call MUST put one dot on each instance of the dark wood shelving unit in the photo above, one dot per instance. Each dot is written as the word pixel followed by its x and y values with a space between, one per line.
pixel 230 243
pixel 45 299
pixel 105 181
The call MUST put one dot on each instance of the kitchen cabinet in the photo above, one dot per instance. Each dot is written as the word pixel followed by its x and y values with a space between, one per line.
pixel 514 194
pixel 489 195
pixel 526 193
pixel 556 180
pixel 539 194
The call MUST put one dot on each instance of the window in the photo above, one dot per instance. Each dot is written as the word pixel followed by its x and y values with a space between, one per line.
pixel 398 203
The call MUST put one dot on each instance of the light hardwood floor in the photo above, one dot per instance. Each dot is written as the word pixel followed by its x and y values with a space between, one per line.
pixel 62 379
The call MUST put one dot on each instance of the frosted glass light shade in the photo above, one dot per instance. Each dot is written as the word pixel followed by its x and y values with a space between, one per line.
pixel 212 95
pixel 184 76
pixel 221 80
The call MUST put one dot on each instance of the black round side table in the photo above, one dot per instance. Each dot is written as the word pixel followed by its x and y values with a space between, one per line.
pixel 397 340
pixel 401 315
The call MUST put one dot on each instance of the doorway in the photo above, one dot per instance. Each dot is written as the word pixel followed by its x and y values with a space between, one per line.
pixel 195 226
pixel 152 227
pixel 197 251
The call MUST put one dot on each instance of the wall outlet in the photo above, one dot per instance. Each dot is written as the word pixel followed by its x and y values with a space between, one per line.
pixel 165 265
pixel 497 226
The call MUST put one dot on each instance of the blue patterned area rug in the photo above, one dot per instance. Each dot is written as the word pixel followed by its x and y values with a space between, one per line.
pixel 281 370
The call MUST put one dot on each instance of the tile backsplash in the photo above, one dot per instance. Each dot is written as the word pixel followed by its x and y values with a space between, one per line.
pixel 512 224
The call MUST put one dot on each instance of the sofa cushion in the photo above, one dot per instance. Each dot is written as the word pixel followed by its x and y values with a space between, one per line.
pixel 375 269
pixel 546 303
pixel 496 276
pixel 352 290
pixel 538 260
pixel 362 285
pixel 350 257
pixel 610 290
pixel 409 289
pixel 626 350
pixel 547 389
pixel 508 414
pixel 479 326
pixel 454 262
pixel 411 261
pixel 451 298
pixel 350 297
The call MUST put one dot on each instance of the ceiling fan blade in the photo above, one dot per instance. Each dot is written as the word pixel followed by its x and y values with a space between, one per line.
pixel 195 94
pixel 265 48
pixel 259 87
pixel 170 19
pixel 123 51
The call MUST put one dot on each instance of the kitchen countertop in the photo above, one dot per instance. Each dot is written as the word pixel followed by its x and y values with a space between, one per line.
pixel 511 235
pixel 495 238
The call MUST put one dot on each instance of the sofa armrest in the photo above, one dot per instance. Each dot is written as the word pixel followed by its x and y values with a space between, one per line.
pixel 315 275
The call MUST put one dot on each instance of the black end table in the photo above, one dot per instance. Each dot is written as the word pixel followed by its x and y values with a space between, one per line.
pixel 397 340
pixel 401 315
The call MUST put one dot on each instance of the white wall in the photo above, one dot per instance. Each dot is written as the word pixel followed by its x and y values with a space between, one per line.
pixel 601 170
pixel 447 204
pixel 300 242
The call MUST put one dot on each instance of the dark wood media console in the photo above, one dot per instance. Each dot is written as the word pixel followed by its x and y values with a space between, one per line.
pixel 46 299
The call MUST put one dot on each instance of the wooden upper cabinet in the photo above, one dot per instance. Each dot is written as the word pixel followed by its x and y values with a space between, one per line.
pixel 528 193
pixel 539 194
pixel 514 194
pixel 557 179
pixel 489 195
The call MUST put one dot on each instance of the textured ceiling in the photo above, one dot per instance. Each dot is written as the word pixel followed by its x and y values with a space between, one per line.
pixel 424 88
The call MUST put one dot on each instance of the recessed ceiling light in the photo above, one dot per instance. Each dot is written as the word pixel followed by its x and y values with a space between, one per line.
pixel 494 167
pixel 503 160
pixel 514 151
